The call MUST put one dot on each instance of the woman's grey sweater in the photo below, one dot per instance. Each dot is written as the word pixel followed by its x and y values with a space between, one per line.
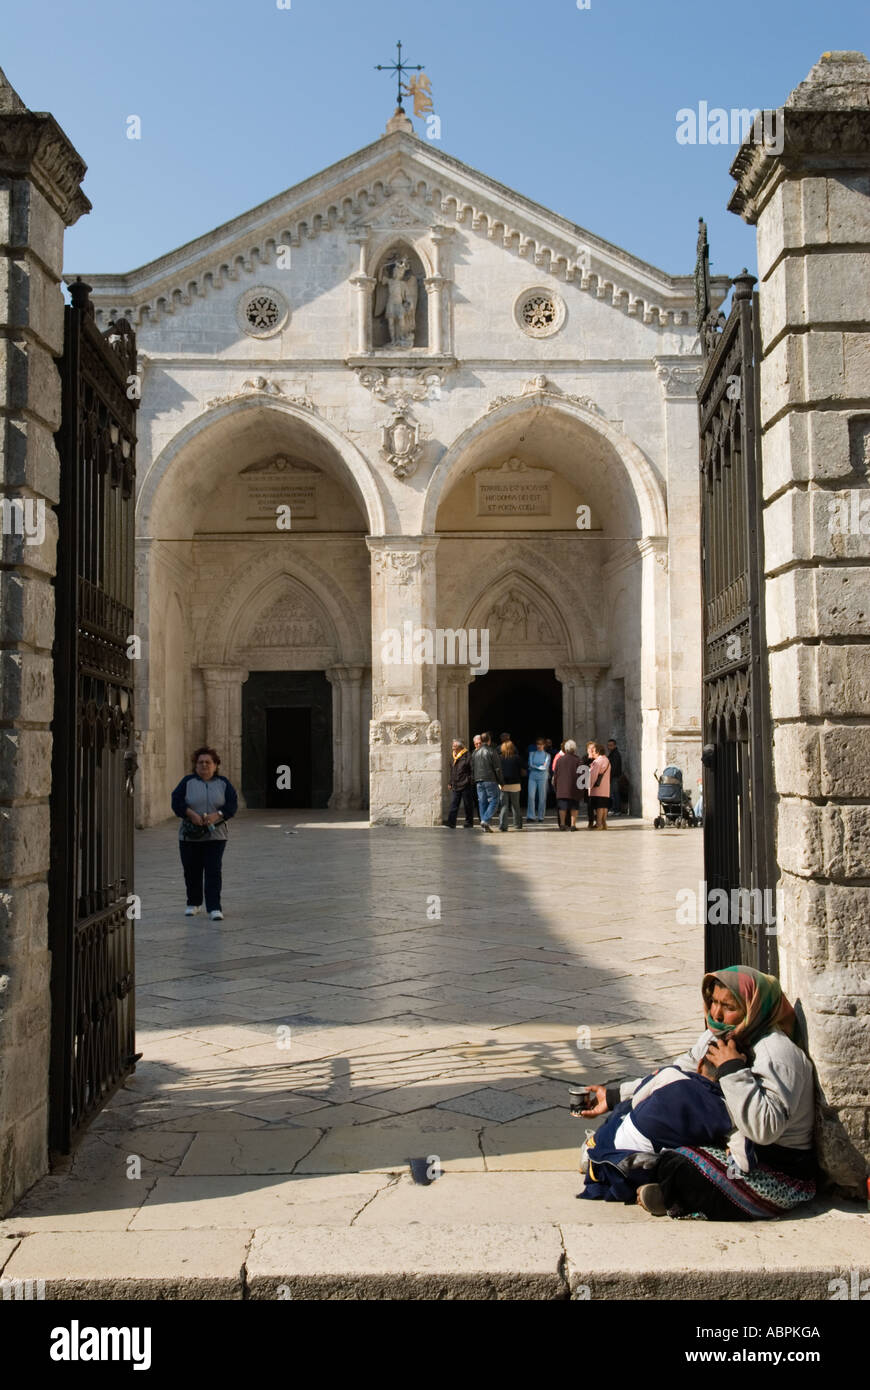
pixel 771 1102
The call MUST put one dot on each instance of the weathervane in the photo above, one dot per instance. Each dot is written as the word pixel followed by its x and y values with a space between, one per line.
pixel 398 68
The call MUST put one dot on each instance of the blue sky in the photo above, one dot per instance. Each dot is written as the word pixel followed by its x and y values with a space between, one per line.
pixel 576 108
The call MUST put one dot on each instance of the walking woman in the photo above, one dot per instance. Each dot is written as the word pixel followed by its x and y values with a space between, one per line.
pixel 768 1084
pixel 204 802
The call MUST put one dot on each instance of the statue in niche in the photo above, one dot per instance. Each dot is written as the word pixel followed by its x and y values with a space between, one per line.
pixel 396 301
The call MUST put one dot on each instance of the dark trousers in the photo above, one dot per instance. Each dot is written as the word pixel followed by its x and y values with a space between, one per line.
pixel 203 861
pixel 685 1188
pixel 463 797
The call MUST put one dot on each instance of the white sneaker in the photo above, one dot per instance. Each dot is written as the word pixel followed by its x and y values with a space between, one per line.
pixel 216 916
pixel 192 911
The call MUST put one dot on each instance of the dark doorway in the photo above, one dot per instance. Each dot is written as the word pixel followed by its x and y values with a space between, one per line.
pixel 287 723
pixel 521 703
pixel 288 757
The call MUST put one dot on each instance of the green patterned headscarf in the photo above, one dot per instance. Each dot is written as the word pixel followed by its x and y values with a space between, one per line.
pixel 765 1007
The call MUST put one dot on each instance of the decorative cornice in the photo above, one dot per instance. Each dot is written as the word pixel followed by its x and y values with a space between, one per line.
pixel 33 146
pixel 414 200
pixel 824 126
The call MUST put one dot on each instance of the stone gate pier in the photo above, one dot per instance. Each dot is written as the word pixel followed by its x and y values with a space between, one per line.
pixel 811 207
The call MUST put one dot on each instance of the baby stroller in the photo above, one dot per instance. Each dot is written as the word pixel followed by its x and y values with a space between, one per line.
pixel 675 804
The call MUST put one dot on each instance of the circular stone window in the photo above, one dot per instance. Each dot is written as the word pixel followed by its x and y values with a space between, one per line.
pixel 262 312
pixel 540 312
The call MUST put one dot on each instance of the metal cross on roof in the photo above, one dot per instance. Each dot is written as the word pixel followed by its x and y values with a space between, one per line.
pixel 398 68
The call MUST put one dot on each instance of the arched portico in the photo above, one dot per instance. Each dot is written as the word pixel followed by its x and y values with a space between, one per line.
pixel 255 595
pixel 566 518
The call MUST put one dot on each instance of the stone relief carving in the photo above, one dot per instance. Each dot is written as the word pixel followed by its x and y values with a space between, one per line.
pixel 400 444
pixel 433 733
pixel 678 381
pixel 281 464
pixel 515 619
pixel 289 622
pixel 396 301
pixel 400 387
pixel 262 386
pixel 543 385
pixel 402 563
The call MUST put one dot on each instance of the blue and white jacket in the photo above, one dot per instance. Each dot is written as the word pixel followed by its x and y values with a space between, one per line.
pixel 194 794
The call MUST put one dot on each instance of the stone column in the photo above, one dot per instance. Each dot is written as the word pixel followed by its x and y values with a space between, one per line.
pixel 364 285
pixel 573 699
pixel 405 735
pixel 679 378
pixel 435 289
pixel 346 682
pixel 223 705
pixel 453 717
pixel 811 205
pixel 654 683
pixel 40 174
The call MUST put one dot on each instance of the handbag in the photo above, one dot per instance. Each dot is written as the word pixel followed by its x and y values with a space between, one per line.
pixel 189 831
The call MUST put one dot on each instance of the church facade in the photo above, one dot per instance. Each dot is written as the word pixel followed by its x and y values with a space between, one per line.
pixel 417 457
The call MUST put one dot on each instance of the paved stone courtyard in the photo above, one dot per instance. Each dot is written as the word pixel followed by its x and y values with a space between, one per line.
pixel 374 997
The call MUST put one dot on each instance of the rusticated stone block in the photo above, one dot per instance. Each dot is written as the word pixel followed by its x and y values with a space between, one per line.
pixel 23 918
pixel 32 302
pixel 845 758
pixel 28 458
pixel 846 835
pixel 797 760
pixel 26 610
pixel 25 763
pixel 806 289
pixel 32 380
pixel 24 841
pixel 26 687
pixel 35 224
pixel 31 540
pixel 822 602
pixel 799 839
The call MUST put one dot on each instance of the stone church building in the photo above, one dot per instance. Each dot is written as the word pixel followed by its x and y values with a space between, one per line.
pixel 416 457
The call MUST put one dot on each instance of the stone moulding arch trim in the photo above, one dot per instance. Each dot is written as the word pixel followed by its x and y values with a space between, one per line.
pixel 360 473
pixel 248 589
pixel 645 484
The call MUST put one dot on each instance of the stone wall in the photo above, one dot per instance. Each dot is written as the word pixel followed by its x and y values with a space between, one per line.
pixel 811 206
pixel 40 174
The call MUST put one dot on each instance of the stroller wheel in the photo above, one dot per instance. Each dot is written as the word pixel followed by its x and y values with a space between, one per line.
pixel 658 823
pixel 680 823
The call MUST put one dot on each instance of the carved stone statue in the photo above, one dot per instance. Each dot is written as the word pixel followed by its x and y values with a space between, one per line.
pixel 396 301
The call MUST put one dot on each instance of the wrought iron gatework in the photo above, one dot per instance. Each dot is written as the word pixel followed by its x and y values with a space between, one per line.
pixel 91 908
pixel 739 862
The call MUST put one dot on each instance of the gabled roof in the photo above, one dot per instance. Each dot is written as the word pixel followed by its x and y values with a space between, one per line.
pixel 398 180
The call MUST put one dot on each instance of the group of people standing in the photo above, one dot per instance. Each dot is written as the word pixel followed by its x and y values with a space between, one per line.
pixel 488 780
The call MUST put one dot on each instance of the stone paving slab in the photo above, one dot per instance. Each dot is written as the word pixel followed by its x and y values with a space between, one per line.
pixel 134 1265
pixel 178 1204
pixel 440 1262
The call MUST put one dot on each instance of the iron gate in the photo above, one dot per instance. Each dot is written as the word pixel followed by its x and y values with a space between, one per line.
pixel 91 916
pixel 739 862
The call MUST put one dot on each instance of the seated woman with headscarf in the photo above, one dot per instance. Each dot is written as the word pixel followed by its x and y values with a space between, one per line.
pixel 767 1165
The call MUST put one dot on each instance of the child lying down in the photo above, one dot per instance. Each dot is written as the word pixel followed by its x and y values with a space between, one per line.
pixel 672 1107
